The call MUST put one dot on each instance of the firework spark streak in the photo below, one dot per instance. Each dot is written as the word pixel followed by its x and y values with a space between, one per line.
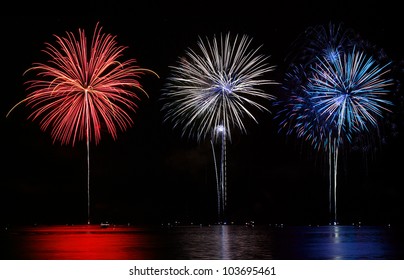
pixel 82 87
pixel 213 88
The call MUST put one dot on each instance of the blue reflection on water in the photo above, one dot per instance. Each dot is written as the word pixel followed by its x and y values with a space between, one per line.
pixel 342 242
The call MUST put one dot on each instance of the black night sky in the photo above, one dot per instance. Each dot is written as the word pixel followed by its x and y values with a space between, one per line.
pixel 152 175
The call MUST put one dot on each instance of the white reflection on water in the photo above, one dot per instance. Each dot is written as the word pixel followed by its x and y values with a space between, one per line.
pixel 225 242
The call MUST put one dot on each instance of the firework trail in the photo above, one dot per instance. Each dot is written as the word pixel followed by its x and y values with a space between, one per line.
pixel 335 94
pixel 212 89
pixel 82 87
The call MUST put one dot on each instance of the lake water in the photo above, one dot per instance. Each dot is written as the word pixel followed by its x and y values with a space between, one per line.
pixel 216 242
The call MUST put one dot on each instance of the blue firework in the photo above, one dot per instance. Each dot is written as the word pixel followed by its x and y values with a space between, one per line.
pixel 336 93
pixel 349 93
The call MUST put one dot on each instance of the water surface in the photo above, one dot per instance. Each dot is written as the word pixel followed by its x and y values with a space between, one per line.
pixel 217 242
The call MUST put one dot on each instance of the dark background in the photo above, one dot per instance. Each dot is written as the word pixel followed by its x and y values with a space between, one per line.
pixel 152 175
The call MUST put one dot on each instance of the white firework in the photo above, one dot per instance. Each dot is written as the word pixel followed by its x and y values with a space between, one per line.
pixel 216 85
pixel 212 90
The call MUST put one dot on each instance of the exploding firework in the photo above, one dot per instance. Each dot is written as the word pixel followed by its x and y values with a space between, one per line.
pixel 334 98
pixel 213 89
pixel 350 93
pixel 82 87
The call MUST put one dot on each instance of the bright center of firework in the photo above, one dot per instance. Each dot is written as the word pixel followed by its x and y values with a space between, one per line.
pixel 341 98
pixel 224 87
pixel 220 128
pixel 332 54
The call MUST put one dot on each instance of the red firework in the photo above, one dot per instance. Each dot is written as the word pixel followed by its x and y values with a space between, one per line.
pixel 84 86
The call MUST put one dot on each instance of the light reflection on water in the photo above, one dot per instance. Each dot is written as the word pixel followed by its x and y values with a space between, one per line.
pixel 201 242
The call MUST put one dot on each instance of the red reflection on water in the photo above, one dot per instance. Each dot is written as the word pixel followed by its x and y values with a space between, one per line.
pixel 87 242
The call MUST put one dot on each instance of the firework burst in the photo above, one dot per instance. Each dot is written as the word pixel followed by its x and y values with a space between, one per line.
pixel 213 89
pixel 335 92
pixel 216 86
pixel 349 93
pixel 82 87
